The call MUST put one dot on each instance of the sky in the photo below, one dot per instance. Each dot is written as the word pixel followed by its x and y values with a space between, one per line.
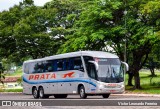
pixel 6 4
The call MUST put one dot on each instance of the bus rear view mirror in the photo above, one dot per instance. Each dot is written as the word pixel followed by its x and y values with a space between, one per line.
pixel 95 64
pixel 126 66
pixel 81 69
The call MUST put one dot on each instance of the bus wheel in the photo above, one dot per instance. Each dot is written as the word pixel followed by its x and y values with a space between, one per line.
pixel 82 92
pixel 35 93
pixel 105 95
pixel 41 93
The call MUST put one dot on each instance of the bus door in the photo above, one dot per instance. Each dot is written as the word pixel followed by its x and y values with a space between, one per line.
pixel 92 73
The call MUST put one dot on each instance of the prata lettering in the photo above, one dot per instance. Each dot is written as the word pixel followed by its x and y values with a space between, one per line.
pixel 42 76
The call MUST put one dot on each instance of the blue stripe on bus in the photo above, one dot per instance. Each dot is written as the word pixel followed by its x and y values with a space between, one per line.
pixel 56 81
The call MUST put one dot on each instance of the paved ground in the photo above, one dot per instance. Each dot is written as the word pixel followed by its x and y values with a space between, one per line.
pixel 84 107
pixel 90 102
pixel 20 96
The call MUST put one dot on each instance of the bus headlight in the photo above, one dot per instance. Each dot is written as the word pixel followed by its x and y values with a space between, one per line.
pixel 102 86
pixel 122 85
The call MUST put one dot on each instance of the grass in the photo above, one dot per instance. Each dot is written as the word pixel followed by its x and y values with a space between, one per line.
pixel 148 87
pixel 11 90
pixel 17 73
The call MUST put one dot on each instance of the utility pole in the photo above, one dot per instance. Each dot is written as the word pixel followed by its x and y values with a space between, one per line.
pixel 125 46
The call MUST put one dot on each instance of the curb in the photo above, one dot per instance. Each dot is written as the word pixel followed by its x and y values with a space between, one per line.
pixel 138 95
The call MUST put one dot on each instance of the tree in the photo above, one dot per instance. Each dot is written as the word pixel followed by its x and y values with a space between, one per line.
pixel 24 33
pixel 153 61
pixel 28 31
pixel 32 37
pixel 145 34
pixel 36 32
pixel 61 17
pixel 91 28
pixel 101 24
pixel 1 73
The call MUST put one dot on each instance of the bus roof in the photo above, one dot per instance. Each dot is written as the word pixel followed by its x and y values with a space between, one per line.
pixel 98 54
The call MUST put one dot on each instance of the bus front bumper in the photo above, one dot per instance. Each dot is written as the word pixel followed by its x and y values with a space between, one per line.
pixel 113 90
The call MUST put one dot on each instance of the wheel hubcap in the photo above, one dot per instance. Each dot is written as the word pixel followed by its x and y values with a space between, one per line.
pixel 35 93
pixel 41 93
pixel 82 92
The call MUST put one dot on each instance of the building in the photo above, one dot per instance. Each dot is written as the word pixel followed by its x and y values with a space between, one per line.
pixel 11 83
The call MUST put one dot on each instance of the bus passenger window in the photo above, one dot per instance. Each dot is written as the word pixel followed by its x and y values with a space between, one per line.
pixel 71 64
pixel 91 71
pixel 35 70
pixel 26 69
pixel 49 67
pixel 67 64
pixel 40 68
pixel 90 67
pixel 78 64
pixel 59 65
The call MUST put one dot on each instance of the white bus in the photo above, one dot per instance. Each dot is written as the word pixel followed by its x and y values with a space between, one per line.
pixel 83 72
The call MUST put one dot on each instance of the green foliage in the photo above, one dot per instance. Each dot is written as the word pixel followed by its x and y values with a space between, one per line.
pixel 92 27
pixel 11 90
pixel 1 72
pixel 29 31
pixel 101 24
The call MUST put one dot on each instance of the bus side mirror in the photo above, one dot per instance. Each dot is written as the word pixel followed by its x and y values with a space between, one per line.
pixel 95 64
pixel 126 66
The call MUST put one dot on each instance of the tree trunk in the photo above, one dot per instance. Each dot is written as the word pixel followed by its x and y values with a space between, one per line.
pixel 130 77
pixel 135 67
pixel 137 80
pixel 152 72
pixel 140 56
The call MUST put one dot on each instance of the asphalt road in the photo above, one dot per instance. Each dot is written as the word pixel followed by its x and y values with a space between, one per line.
pixel 20 96
pixel 95 102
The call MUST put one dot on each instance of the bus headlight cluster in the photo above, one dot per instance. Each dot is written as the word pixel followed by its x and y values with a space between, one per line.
pixel 118 86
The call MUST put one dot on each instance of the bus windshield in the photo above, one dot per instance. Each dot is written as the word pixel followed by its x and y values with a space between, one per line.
pixel 110 70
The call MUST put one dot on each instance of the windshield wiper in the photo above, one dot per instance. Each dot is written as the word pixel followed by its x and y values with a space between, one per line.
pixel 106 76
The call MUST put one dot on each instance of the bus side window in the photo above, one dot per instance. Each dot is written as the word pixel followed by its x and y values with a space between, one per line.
pixel 45 67
pixel 40 67
pixel 54 63
pixel 26 70
pixel 90 68
pixel 33 67
pixel 48 66
pixel 59 65
pixel 64 64
pixel 71 64
pixel 91 71
pixel 78 64
pixel 67 67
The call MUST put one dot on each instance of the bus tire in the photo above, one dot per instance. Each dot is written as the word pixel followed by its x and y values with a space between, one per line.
pixel 82 93
pixel 60 96
pixel 35 93
pixel 105 95
pixel 41 93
